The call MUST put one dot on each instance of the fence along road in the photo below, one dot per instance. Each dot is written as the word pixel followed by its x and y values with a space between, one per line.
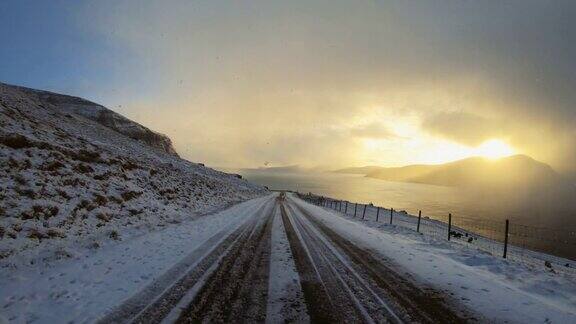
pixel 535 246
pixel 338 281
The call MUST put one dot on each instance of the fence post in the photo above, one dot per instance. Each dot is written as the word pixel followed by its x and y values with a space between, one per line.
pixel 391 215
pixel 377 213
pixel 449 225
pixel 364 212
pixel 355 206
pixel 506 238
pixel 346 208
pixel 419 217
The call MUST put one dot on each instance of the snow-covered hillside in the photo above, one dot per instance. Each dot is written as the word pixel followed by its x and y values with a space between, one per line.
pixel 101 115
pixel 69 182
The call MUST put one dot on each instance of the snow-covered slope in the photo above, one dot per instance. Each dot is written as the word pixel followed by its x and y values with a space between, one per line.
pixel 70 182
pixel 103 116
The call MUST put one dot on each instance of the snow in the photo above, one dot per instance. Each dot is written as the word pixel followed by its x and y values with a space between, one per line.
pixel 90 217
pixel 285 296
pixel 84 288
pixel 345 263
pixel 486 235
pixel 497 289
pixel 69 185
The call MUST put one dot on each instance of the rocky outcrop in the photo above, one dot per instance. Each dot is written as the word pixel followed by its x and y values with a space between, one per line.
pixel 105 117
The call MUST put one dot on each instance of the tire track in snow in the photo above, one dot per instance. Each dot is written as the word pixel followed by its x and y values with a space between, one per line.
pixel 330 279
pixel 285 297
pixel 424 306
pixel 158 299
pixel 238 289
pixel 352 297
pixel 321 307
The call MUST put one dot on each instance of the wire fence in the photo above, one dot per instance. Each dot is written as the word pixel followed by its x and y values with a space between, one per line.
pixel 537 247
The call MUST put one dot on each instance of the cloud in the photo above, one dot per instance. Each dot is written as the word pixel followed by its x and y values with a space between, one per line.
pixel 462 127
pixel 374 130
pixel 226 78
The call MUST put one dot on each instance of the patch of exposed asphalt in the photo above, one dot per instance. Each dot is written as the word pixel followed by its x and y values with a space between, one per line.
pixel 421 305
pixel 237 290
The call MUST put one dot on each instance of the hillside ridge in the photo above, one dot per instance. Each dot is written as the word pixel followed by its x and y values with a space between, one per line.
pixel 69 184
pixel 103 116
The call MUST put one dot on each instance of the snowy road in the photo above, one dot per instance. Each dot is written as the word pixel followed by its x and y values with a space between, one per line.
pixel 281 264
pixel 279 259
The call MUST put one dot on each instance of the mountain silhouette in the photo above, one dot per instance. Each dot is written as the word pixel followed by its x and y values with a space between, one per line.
pixel 517 170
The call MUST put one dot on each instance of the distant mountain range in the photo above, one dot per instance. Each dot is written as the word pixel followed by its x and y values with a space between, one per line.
pixel 517 170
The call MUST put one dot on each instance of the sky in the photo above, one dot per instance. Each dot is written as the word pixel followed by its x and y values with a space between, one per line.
pixel 314 83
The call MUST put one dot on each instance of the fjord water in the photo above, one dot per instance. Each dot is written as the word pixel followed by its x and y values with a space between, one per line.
pixel 434 201
pixel 551 225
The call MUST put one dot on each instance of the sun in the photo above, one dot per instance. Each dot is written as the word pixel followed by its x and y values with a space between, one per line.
pixel 494 149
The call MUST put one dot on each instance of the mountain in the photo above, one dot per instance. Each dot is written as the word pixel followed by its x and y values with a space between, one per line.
pixel 280 169
pixel 76 176
pixel 359 170
pixel 101 115
pixel 283 169
pixel 517 170
pixel 405 173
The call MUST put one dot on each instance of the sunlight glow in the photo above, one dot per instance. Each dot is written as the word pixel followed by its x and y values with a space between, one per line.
pixel 494 149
